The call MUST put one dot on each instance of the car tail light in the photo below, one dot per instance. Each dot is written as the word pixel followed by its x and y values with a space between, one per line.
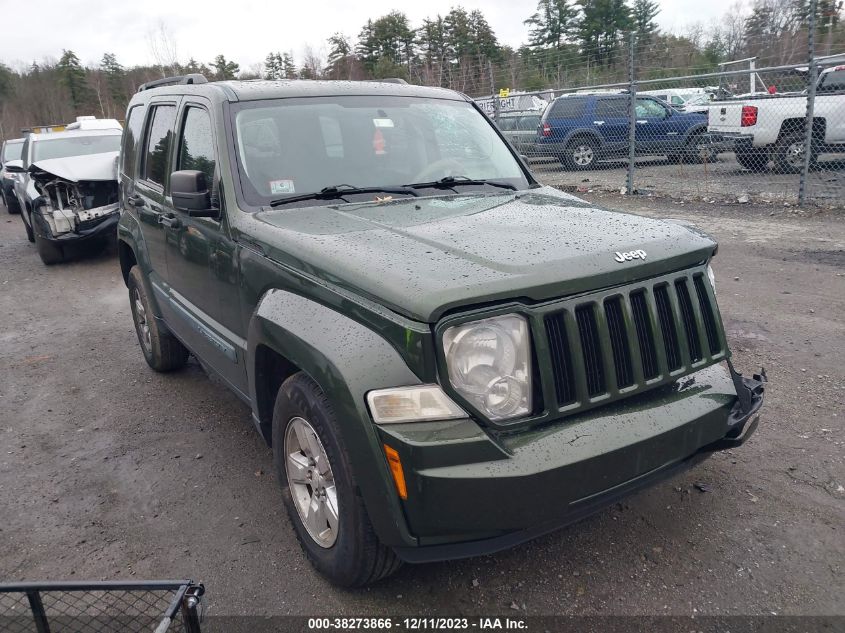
pixel 749 116
pixel 547 129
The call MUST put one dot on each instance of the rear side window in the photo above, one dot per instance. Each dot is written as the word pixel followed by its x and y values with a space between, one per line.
pixel 196 147
pixel 159 141
pixel 568 108
pixel 833 82
pixel 611 108
pixel 131 136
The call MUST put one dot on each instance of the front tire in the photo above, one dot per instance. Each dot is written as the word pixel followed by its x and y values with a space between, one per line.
pixel 162 351
pixel 319 489
pixel 581 153
pixel 753 160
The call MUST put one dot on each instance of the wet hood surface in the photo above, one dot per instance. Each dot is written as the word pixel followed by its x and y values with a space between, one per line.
pixel 91 167
pixel 423 257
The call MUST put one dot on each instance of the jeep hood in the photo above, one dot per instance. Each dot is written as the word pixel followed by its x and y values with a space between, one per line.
pixel 90 167
pixel 422 257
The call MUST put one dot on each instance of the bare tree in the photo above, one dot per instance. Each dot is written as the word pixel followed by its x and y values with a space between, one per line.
pixel 162 46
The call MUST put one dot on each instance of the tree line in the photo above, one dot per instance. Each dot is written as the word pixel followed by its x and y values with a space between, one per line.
pixel 569 43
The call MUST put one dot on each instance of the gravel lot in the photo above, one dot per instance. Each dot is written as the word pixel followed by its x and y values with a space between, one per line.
pixel 108 470
pixel 721 181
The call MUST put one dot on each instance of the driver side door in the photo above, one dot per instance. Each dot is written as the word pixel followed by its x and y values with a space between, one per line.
pixel 654 132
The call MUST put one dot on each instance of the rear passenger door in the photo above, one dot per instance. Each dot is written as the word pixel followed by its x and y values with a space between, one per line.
pixel 148 196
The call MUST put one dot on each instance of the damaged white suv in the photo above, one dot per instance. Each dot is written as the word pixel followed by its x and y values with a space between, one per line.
pixel 68 189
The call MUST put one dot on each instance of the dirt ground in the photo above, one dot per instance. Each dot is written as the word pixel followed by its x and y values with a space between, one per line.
pixel 110 471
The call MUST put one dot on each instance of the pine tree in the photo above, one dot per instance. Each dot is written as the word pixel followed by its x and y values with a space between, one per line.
pixel 553 25
pixel 72 76
pixel 273 66
pixel 224 69
pixel 389 37
pixel 601 28
pixel 288 67
pixel 642 15
pixel 115 79
pixel 6 81
pixel 339 62
pixel 432 46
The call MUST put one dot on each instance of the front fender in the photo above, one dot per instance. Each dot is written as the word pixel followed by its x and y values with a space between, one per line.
pixel 129 232
pixel 346 359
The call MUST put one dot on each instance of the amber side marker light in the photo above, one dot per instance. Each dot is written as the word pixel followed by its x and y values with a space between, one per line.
pixel 396 470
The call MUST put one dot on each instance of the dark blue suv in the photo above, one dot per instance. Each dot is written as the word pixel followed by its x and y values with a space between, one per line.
pixel 580 130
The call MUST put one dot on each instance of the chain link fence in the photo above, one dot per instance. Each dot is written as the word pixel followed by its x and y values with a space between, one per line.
pixel 101 607
pixel 743 133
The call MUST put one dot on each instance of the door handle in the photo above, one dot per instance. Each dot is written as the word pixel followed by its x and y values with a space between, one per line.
pixel 641 122
pixel 170 221
pixel 135 200
pixel 598 122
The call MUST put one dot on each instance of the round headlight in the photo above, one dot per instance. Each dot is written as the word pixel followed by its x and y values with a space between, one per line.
pixel 488 362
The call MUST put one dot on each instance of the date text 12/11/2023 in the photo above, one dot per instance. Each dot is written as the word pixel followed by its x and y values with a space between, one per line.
pixel 417 624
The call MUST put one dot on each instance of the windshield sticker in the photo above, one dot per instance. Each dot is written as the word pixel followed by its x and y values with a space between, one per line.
pixel 282 186
pixel 383 122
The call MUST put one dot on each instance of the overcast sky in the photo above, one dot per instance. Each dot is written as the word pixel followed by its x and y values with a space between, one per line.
pixel 246 30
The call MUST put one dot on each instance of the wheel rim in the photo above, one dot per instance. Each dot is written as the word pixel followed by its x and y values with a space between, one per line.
pixel 311 482
pixel 795 154
pixel 142 323
pixel 583 155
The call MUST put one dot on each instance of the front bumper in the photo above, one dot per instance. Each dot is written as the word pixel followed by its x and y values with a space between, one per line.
pixel 106 227
pixel 471 493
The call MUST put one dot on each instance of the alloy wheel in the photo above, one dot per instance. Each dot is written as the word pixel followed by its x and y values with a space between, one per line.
pixel 143 324
pixel 311 482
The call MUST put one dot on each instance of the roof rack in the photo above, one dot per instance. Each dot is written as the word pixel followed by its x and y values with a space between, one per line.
pixel 193 78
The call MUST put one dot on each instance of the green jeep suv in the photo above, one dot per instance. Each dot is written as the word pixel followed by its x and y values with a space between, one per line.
pixel 446 357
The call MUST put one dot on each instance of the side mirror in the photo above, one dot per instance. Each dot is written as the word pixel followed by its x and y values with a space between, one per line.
pixel 14 167
pixel 190 193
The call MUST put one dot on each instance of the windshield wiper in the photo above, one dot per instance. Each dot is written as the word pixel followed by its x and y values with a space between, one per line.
pixel 450 182
pixel 339 191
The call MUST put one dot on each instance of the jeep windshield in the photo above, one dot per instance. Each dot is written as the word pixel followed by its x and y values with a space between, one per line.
pixel 293 148
pixel 67 146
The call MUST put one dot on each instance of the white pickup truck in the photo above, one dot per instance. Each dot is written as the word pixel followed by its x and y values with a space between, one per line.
pixel 771 128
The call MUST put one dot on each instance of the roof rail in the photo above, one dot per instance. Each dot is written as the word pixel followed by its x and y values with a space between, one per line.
pixel 193 78
pixel 393 80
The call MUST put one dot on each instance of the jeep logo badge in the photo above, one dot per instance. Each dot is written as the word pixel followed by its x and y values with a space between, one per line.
pixel 626 257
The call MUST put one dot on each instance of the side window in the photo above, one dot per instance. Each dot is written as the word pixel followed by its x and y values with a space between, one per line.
pixel 568 108
pixel 611 108
pixel 159 140
pixel 196 146
pixel 647 108
pixel 129 143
